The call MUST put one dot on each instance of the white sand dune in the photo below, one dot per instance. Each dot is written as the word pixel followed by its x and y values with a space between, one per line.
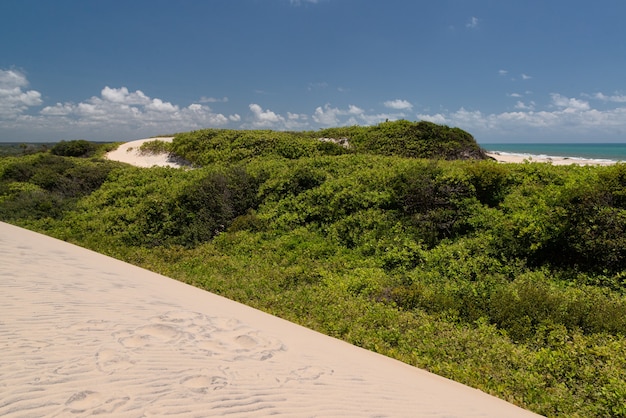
pixel 83 334
pixel 129 152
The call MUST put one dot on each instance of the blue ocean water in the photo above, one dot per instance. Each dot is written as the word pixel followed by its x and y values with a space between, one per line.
pixel 612 152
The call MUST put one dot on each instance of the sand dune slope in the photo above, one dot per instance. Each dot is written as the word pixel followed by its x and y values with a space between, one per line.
pixel 82 334
pixel 129 152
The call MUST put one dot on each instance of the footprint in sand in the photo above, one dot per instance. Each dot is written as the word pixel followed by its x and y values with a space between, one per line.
pixel 225 338
pixel 204 383
pixel 82 401
pixel 148 334
pixel 308 373
pixel 94 402
pixel 110 361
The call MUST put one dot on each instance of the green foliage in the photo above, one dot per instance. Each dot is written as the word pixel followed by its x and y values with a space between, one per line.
pixel 155 147
pixel 214 146
pixel 410 139
pixel 14 149
pixel 75 148
pixel 401 138
pixel 509 278
pixel 46 185
pixel 433 201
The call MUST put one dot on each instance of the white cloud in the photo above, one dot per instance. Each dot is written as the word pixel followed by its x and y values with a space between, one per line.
pixel 523 106
pixel 122 95
pixel 355 110
pixel 159 105
pixel 353 115
pixel 327 115
pixel 300 2
pixel 472 23
pixel 317 86
pixel 566 119
pixel 569 104
pixel 14 99
pixel 115 114
pixel 332 116
pixel 120 114
pixel 503 72
pixel 265 118
pixel 205 99
pixel 398 104
pixel 616 98
pixel 526 77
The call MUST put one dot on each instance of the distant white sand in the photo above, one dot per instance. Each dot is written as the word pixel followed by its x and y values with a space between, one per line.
pixel 514 158
pixel 82 334
pixel 129 153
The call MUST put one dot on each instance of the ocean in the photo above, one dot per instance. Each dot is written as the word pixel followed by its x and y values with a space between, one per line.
pixel 604 152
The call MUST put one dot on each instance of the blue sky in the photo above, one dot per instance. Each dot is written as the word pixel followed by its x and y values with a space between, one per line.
pixel 504 70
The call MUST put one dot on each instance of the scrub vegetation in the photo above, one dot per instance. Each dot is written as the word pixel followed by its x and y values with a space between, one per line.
pixel 401 238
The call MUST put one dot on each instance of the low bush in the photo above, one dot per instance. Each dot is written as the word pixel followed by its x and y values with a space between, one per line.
pixel 75 148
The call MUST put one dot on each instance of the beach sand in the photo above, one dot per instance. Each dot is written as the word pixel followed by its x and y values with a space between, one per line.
pixel 129 153
pixel 508 158
pixel 83 334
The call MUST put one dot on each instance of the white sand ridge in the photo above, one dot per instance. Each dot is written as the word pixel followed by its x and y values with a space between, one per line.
pixel 130 153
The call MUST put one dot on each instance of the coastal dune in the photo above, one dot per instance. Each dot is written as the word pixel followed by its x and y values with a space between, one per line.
pixel 83 334
pixel 130 153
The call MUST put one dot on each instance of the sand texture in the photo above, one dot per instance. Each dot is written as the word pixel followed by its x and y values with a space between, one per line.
pixel 508 158
pixel 82 334
pixel 129 152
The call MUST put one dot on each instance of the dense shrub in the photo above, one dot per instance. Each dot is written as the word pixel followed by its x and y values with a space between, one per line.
pixel 433 201
pixel 204 208
pixel 211 146
pixel 410 139
pixel 58 180
pixel 75 148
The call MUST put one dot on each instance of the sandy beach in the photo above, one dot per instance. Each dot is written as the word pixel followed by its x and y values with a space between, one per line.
pixel 515 158
pixel 83 334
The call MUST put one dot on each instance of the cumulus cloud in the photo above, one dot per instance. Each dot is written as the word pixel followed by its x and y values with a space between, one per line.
pixel 14 98
pixel 569 104
pixel 115 114
pixel 122 95
pixel 332 116
pixel 328 115
pixel 264 118
pixel 118 113
pixel 398 104
pixel 615 98
pixel 526 77
pixel 525 106
pixel 565 118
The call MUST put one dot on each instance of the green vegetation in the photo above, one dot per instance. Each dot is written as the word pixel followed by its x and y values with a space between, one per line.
pixel 155 147
pixel 76 148
pixel 510 278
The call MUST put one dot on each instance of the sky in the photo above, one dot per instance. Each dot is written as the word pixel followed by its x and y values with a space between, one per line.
pixel 504 70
